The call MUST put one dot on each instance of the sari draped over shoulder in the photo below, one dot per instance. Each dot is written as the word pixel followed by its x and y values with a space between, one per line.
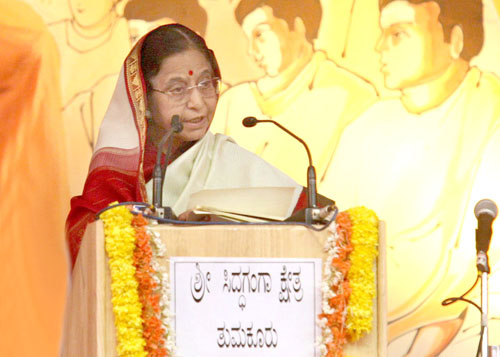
pixel 123 161
pixel 116 171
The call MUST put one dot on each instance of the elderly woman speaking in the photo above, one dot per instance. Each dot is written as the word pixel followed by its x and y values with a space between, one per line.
pixel 170 72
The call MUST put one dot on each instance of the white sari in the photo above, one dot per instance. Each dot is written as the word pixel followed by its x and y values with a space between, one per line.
pixel 216 162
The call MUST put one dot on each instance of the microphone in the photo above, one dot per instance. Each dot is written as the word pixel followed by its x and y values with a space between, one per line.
pixel 159 172
pixel 312 211
pixel 485 212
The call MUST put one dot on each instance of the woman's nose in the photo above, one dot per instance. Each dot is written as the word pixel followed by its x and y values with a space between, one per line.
pixel 195 99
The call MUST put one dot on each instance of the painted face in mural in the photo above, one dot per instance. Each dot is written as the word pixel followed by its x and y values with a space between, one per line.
pixel 412 46
pixel 196 109
pixel 91 13
pixel 268 37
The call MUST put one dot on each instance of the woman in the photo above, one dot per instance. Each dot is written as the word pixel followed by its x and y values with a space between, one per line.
pixel 169 72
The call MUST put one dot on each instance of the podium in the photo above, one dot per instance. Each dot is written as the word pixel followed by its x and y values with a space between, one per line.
pixel 89 328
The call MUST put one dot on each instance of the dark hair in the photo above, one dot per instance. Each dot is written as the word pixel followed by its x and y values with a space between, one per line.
pixel 309 11
pixel 468 14
pixel 167 40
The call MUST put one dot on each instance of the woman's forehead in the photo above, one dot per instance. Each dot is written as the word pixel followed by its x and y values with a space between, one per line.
pixel 188 63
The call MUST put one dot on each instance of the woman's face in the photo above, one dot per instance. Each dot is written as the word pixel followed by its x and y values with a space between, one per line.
pixel 196 108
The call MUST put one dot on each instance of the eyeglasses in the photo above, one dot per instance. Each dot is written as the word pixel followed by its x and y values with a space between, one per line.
pixel 180 93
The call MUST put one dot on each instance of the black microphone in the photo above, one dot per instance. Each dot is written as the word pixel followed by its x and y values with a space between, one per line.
pixel 312 213
pixel 159 172
pixel 485 212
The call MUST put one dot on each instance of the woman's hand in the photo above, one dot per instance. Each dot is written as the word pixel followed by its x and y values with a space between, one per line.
pixel 190 216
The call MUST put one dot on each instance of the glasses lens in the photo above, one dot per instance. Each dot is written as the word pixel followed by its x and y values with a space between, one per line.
pixel 181 94
pixel 209 87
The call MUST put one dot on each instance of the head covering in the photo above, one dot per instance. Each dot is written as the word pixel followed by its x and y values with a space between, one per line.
pixel 122 162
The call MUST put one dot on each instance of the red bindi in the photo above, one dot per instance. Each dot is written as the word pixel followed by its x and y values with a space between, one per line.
pixel 190 72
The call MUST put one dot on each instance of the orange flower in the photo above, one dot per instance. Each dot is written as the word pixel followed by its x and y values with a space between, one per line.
pixel 339 263
pixel 149 296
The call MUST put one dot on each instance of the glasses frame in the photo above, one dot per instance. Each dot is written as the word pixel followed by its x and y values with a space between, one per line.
pixel 189 89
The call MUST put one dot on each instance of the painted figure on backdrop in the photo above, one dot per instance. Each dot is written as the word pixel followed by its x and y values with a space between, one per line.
pixel 302 89
pixel 212 19
pixel 145 15
pixel 86 40
pixel 423 161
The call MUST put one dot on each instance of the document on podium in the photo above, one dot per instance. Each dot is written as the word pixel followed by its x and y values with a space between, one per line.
pixel 250 204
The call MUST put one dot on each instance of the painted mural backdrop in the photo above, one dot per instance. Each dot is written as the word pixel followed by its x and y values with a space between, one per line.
pixel 399 102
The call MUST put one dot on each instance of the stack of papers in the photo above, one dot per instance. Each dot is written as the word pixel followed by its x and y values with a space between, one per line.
pixel 251 204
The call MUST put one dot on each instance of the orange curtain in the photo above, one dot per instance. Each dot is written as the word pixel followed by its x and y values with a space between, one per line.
pixel 33 188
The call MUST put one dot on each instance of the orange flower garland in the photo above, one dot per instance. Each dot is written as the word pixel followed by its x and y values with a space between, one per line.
pixel 335 289
pixel 348 284
pixel 149 294
pixel 139 287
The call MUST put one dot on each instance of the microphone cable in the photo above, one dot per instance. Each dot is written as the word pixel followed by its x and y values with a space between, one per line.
pixel 452 300
pixel 196 223
pixel 270 223
pixel 126 203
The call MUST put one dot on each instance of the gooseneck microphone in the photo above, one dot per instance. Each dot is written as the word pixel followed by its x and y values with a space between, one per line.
pixel 485 212
pixel 312 211
pixel 159 171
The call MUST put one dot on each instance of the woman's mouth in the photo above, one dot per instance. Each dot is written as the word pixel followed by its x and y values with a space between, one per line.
pixel 194 123
pixel 193 120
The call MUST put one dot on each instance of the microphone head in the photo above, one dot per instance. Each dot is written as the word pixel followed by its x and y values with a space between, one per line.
pixel 486 206
pixel 250 121
pixel 176 124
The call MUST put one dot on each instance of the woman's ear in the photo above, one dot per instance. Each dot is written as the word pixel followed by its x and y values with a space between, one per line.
pixel 148 114
pixel 456 42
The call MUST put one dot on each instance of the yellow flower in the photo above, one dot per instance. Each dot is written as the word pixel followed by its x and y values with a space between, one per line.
pixel 361 275
pixel 120 245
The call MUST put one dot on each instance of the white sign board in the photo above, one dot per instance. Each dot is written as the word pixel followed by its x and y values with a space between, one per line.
pixel 246 306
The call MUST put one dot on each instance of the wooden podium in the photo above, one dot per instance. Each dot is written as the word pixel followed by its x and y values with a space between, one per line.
pixel 89 323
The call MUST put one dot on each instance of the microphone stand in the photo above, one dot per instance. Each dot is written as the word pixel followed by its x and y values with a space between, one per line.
pixel 484 314
pixel 159 173
pixel 485 212
pixel 483 268
pixel 312 212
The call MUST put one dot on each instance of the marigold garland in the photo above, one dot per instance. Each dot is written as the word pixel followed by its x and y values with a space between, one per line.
pixel 163 290
pixel 348 281
pixel 140 291
pixel 120 243
pixel 150 296
pixel 335 288
pixel 361 275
